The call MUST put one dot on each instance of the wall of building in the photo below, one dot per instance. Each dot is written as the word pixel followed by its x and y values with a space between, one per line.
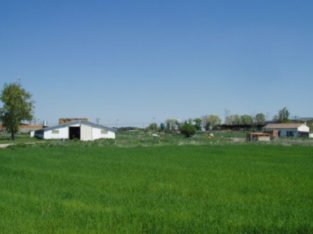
pixel 87 133
pixel 264 138
pixel 303 128
pixel 288 133
pixel 59 133
pixel 102 134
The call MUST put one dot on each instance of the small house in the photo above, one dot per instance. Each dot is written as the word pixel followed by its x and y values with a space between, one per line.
pixel 80 130
pixel 288 129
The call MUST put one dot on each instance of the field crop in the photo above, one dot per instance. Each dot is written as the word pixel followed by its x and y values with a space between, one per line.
pixel 84 188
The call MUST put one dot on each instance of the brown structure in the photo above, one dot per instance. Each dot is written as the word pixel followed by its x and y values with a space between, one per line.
pixel 273 133
pixel 68 120
pixel 259 136
pixel 25 128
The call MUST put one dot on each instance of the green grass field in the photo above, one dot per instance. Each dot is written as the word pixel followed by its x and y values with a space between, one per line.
pixel 84 188
pixel 20 139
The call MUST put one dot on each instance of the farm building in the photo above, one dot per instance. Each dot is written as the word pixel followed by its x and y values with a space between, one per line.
pixel 81 130
pixel 24 127
pixel 288 129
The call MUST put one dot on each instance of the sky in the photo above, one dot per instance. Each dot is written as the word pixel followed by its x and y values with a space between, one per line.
pixel 135 62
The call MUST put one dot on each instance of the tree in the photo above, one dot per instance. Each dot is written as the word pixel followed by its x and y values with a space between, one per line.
pixel 283 115
pixel 198 123
pixel 152 127
pixel 171 125
pixel 17 107
pixel 259 118
pixel 187 129
pixel 211 121
pixel 162 127
pixel 233 120
pixel 246 120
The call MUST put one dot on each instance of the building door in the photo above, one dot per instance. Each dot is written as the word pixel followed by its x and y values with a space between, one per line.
pixel 74 133
pixel 85 133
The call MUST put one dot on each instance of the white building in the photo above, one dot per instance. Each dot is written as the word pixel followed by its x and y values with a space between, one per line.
pixel 289 129
pixel 81 130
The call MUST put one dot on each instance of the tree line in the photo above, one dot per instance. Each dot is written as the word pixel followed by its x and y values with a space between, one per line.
pixel 214 122
pixel 17 106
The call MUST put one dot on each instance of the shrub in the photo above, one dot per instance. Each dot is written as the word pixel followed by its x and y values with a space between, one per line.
pixel 187 129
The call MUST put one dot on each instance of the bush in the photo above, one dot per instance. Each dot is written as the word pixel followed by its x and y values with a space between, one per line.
pixel 152 127
pixel 187 129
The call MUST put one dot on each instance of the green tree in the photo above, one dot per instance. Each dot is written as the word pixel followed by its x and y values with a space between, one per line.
pixel 211 122
pixel 152 127
pixel 187 129
pixel 259 118
pixel 233 120
pixel 17 107
pixel 282 116
pixel 162 127
pixel 246 119
pixel 198 123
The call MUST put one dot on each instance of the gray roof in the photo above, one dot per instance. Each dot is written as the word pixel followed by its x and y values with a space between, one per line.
pixel 81 123
pixel 283 126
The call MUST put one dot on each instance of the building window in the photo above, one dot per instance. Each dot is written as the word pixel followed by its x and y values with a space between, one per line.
pixel 290 134
pixel 55 131
pixel 103 131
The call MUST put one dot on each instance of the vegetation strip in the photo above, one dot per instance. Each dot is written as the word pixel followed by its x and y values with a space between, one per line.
pixel 244 188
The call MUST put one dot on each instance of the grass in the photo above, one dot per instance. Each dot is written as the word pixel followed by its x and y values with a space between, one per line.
pixel 20 139
pixel 144 138
pixel 85 188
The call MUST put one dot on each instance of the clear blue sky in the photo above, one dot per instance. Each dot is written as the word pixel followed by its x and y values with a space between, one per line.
pixel 134 62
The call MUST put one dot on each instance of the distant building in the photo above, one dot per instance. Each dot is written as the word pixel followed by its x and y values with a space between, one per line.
pixel 288 129
pixel 80 130
pixel 27 128
pixel 24 128
pixel 69 120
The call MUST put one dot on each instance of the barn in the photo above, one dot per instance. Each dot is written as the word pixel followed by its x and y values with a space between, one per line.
pixel 288 129
pixel 80 130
